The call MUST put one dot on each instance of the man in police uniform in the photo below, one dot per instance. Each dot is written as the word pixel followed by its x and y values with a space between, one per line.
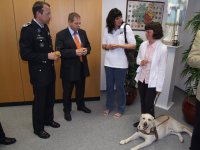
pixel 36 48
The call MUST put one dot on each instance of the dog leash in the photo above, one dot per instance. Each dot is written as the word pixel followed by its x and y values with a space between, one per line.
pixel 163 121
pixel 156 98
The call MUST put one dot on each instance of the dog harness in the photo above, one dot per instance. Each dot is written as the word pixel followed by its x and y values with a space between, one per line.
pixel 153 130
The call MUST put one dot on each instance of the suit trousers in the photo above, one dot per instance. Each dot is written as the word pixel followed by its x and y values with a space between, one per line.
pixel 147 96
pixel 42 110
pixel 2 134
pixel 196 131
pixel 79 92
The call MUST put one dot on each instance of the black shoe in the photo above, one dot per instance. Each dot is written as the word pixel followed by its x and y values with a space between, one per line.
pixel 136 124
pixel 53 124
pixel 42 134
pixel 7 141
pixel 68 117
pixel 84 109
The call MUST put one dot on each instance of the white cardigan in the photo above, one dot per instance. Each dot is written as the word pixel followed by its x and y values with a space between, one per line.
pixel 158 65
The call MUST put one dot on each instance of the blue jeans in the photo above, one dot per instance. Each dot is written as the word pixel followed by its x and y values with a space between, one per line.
pixel 115 76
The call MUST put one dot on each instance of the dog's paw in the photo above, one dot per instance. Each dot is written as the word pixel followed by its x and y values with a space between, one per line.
pixel 134 148
pixel 181 139
pixel 122 142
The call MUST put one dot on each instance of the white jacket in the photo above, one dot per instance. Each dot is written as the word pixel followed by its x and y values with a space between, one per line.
pixel 158 65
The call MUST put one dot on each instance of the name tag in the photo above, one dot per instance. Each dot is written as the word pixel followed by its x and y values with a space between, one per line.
pixel 40 38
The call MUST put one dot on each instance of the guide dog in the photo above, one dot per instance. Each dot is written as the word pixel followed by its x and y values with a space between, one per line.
pixel 151 129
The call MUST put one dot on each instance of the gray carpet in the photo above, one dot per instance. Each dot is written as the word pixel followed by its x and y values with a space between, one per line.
pixel 87 131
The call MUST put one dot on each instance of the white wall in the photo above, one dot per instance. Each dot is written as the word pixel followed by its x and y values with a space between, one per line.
pixel 107 5
pixel 185 40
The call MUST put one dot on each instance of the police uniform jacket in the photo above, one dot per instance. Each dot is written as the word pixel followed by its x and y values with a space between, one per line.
pixel 35 44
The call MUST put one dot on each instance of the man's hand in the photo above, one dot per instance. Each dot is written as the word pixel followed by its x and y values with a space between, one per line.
pixel 53 56
pixel 58 53
pixel 79 52
pixel 84 51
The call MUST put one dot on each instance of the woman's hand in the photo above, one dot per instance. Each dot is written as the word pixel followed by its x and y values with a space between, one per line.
pixel 113 46
pixel 144 62
pixel 106 46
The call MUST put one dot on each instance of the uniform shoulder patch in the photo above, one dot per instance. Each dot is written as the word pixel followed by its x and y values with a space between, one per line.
pixel 27 24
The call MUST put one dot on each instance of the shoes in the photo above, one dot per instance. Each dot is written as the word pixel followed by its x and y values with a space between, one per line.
pixel 42 134
pixel 68 117
pixel 117 115
pixel 7 141
pixel 84 109
pixel 106 112
pixel 136 124
pixel 54 124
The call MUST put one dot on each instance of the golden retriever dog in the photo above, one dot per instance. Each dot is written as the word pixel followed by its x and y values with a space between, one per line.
pixel 151 129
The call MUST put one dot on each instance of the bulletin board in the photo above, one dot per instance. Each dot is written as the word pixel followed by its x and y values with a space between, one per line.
pixel 139 13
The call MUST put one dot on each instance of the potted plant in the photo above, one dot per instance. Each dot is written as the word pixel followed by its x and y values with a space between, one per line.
pixel 130 83
pixel 192 74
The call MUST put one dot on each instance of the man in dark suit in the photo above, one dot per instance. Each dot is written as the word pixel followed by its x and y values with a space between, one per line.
pixel 5 140
pixel 36 48
pixel 74 46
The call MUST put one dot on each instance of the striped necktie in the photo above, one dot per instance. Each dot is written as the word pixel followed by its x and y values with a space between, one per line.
pixel 78 44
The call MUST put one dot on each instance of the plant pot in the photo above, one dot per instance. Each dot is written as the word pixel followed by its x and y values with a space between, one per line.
pixel 189 109
pixel 131 94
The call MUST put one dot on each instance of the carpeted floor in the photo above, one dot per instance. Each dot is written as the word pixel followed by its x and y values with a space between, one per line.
pixel 87 131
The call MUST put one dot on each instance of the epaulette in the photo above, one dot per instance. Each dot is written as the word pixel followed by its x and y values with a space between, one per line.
pixel 27 24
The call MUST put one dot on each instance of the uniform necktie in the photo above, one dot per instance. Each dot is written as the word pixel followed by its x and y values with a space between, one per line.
pixel 78 44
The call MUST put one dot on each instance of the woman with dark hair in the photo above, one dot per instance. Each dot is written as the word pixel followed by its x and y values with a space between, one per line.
pixel 152 59
pixel 116 63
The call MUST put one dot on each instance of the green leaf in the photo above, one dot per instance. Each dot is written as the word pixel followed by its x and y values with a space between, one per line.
pixel 131 73
pixel 192 74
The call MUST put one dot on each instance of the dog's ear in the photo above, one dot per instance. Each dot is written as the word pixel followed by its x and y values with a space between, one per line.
pixel 153 122
pixel 150 116
pixel 142 116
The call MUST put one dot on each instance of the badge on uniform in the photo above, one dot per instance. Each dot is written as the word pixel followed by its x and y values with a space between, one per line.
pixel 27 24
pixel 40 37
pixel 38 30
pixel 41 44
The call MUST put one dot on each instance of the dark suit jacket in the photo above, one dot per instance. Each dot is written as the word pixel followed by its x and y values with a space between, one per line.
pixel 35 43
pixel 70 62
